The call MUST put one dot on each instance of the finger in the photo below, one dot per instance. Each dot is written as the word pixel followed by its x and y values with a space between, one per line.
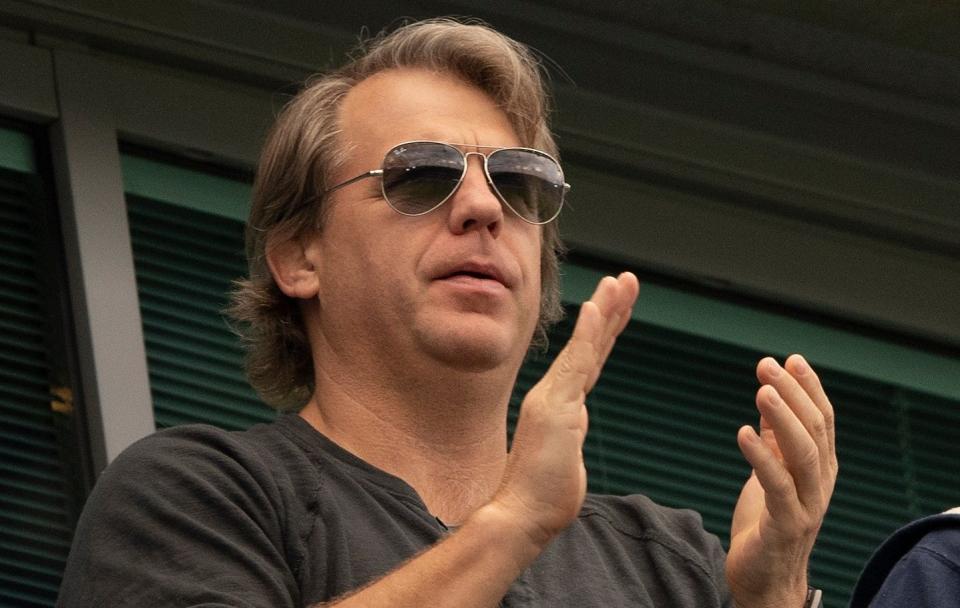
pixel 780 494
pixel 615 295
pixel 808 379
pixel 571 374
pixel 801 456
pixel 628 287
pixel 601 295
pixel 606 297
pixel 619 296
pixel 627 290
pixel 577 367
pixel 769 438
pixel 803 406
pixel 614 298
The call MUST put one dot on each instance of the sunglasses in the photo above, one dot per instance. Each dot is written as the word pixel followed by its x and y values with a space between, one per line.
pixel 419 176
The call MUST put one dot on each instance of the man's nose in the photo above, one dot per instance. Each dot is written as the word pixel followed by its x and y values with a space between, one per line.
pixel 475 206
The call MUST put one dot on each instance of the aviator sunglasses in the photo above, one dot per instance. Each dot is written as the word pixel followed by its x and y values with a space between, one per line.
pixel 419 176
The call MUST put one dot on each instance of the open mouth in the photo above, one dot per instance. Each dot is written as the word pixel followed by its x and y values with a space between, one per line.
pixel 476 271
pixel 471 274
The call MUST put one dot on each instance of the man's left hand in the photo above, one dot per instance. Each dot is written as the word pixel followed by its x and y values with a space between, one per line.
pixel 782 505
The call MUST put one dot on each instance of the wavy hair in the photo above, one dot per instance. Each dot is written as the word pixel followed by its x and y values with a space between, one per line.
pixel 301 154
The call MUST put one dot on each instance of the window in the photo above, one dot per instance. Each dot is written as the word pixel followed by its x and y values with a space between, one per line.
pixel 187 235
pixel 41 474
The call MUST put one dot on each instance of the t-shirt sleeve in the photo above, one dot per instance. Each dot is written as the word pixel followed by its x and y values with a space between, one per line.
pixel 187 517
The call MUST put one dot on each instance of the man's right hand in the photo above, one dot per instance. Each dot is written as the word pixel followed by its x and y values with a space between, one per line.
pixel 543 486
pixel 545 480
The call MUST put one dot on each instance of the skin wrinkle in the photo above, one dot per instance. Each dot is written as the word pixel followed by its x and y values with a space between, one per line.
pixel 423 427
pixel 460 484
pixel 441 455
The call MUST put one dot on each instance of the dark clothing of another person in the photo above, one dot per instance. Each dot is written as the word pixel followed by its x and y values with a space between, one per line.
pixel 918 566
pixel 280 516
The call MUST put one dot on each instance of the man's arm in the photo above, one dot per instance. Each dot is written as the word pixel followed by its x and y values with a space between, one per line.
pixel 542 489
pixel 783 503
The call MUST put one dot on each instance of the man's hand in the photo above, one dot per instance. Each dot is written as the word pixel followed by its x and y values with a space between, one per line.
pixel 783 503
pixel 543 485
pixel 545 480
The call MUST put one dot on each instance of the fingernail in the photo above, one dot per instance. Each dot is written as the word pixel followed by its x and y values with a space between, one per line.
pixel 773 368
pixel 800 365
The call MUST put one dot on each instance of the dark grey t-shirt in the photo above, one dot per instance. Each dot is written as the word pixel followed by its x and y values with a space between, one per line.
pixel 280 516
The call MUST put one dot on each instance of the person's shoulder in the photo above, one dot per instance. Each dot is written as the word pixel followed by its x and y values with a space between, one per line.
pixel 195 456
pixel 669 541
pixel 190 500
pixel 638 515
pixel 941 541
pixel 942 530
pixel 945 540
pixel 189 445
pixel 922 544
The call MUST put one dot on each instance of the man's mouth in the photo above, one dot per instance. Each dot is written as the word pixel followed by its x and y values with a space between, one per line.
pixel 476 271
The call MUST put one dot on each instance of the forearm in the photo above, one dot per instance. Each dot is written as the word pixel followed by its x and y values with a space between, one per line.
pixel 474 567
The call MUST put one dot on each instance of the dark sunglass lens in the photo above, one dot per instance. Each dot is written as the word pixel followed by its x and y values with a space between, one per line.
pixel 419 176
pixel 531 183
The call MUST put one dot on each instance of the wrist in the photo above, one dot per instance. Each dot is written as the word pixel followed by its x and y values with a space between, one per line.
pixel 501 527
pixel 787 594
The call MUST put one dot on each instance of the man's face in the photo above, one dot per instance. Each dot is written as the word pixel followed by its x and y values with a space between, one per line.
pixel 459 285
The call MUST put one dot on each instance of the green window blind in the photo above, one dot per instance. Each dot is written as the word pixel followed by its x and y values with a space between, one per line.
pixel 185 261
pixel 186 229
pixel 36 497
pixel 663 422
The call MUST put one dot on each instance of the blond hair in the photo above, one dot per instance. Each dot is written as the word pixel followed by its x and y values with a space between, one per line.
pixel 301 154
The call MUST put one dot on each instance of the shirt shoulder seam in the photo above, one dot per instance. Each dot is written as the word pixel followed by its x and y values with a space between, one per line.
pixel 653 536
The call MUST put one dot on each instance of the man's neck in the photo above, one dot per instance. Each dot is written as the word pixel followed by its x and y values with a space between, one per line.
pixel 445 437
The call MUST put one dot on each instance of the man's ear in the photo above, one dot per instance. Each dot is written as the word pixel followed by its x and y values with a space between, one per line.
pixel 293 264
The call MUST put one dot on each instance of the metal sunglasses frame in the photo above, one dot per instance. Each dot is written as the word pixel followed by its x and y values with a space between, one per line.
pixel 465 155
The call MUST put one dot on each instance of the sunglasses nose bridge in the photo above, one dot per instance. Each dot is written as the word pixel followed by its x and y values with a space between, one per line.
pixel 483 159
pixel 483 166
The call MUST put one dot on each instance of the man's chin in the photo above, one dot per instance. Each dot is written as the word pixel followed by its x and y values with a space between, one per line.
pixel 476 346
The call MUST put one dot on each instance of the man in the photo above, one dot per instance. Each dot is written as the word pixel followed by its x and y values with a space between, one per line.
pixel 403 256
